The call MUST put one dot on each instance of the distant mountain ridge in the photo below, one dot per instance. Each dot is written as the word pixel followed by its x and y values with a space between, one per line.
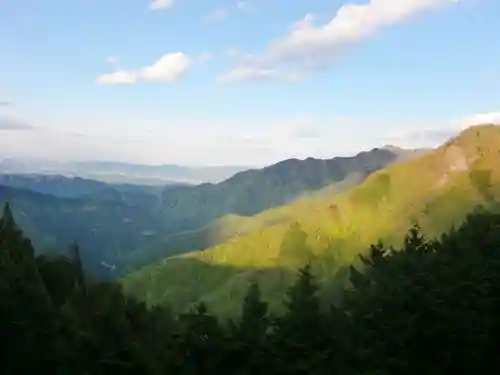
pixel 120 172
pixel 252 191
pixel 128 226
pixel 70 187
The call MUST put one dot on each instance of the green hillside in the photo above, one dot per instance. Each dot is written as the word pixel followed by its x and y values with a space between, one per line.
pixel 428 307
pixel 437 189
pixel 256 190
pixel 232 225
pixel 121 227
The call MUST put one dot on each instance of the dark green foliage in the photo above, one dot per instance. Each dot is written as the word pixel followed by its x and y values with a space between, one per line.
pixel 429 307
pixel 26 321
pixel 254 320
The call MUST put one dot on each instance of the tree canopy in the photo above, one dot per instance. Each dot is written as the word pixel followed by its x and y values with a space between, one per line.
pixel 429 307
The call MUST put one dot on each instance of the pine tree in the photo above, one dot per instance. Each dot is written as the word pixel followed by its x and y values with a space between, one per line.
pixel 27 315
pixel 254 321
pixel 301 329
pixel 302 302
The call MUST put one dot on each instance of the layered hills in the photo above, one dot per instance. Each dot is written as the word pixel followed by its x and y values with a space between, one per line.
pixel 436 189
pixel 71 187
pixel 119 172
pixel 120 227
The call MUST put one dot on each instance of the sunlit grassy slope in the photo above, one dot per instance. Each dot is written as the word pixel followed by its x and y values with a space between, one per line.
pixel 236 225
pixel 438 189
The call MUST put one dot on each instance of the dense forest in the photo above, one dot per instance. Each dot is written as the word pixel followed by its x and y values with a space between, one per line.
pixel 429 307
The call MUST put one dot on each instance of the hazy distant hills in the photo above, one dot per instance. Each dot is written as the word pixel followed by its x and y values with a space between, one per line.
pixel 71 187
pixel 437 188
pixel 120 172
pixel 122 226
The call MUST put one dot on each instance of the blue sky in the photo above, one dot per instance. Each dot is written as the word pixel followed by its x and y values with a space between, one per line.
pixel 241 82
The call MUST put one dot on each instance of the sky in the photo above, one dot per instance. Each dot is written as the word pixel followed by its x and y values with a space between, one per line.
pixel 241 82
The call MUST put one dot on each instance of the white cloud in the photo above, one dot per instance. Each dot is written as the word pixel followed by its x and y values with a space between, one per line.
pixel 309 46
pixel 5 103
pixel 482 118
pixel 351 23
pixel 161 4
pixel 118 77
pixel 168 68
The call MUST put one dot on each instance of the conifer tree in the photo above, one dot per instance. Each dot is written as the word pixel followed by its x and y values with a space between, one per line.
pixel 300 331
pixel 27 316
pixel 254 320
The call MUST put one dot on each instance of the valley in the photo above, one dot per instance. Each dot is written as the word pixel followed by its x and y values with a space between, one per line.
pixel 121 227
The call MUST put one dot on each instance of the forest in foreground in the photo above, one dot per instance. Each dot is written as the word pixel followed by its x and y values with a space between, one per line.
pixel 429 307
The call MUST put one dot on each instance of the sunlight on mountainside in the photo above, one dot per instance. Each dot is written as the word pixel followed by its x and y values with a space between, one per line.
pixel 436 189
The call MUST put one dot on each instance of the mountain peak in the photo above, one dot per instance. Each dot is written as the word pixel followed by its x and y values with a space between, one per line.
pixel 393 148
pixel 476 136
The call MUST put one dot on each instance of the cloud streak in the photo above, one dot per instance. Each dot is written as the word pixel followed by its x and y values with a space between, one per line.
pixel 308 46
pixel 268 140
pixel 168 68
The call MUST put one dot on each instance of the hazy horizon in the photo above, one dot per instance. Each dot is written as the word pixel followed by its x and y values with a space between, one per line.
pixel 242 83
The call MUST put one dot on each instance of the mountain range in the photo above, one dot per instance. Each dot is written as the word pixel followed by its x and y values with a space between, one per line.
pixel 180 244
pixel 121 227
pixel 120 172
pixel 435 189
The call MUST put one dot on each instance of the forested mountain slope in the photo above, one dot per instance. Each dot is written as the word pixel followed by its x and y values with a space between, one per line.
pixel 436 189
pixel 106 229
pixel 122 227
pixel 250 192
pixel 427 307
